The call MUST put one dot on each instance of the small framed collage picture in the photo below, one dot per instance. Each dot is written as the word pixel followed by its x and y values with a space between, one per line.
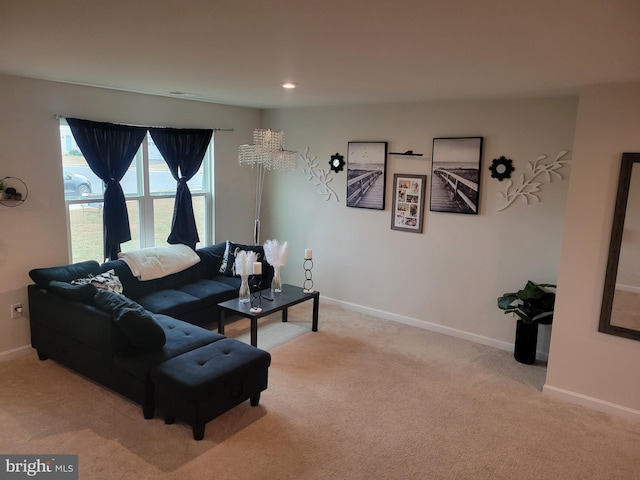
pixel 407 210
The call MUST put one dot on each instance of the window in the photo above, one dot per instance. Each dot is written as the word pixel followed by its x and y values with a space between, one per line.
pixel 150 192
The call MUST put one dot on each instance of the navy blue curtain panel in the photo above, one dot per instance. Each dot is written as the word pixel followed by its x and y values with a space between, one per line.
pixel 109 150
pixel 183 150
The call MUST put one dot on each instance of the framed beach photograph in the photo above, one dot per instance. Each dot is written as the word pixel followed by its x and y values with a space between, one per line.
pixel 366 174
pixel 407 210
pixel 455 175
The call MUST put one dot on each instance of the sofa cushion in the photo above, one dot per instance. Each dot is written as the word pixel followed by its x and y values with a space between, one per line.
pixel 210 368
pixel 135 288
pixel 233 282
pixel 170 302
pixel 64 273
pixel 78 293
pixel 234 249
pixel 223 265
pixel 138 325
pixel 181 337
pixel 140 328
pixel 211 292
pixel 211 259
pixel 129 282
pixel 108 281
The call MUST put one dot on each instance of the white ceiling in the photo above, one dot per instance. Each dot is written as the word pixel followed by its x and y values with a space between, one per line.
pixel 238 52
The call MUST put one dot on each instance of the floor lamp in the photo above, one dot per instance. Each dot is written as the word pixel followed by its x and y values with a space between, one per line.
pixel 266 153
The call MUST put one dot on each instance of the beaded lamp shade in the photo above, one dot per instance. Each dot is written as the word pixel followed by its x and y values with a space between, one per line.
pixel 266 153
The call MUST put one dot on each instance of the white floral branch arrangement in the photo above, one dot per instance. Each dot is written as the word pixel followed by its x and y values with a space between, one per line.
pixel 528 188
pixel 319 176
pixel 244 263
pixel 276 255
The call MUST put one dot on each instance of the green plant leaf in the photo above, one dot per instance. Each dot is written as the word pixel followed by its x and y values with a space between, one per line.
pixel 506 300
pixel 534 303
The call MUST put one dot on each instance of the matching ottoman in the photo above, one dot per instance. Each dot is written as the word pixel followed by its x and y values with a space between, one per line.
pixel 199 385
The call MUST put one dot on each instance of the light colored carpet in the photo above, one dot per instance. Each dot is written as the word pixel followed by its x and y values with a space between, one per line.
pixel 362 398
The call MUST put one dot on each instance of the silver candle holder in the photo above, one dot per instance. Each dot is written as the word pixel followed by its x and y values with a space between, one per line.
pixel 255 286
pixel 307 286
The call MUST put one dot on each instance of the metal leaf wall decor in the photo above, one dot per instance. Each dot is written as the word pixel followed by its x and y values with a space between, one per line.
pixel 528 188
pixel 319 176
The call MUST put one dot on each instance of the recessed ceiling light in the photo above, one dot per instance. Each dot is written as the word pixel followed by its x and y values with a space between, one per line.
pixel 288 85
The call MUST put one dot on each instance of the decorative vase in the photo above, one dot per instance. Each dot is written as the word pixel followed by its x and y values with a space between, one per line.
pixel 244 292
pixel 276 283
pixel 526 342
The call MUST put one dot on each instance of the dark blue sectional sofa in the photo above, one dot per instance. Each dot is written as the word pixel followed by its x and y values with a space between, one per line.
pixel 69 327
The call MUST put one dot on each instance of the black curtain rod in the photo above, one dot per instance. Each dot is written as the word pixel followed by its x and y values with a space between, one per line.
pixel 58 117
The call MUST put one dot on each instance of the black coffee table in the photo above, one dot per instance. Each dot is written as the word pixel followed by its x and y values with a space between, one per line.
pixel 281 301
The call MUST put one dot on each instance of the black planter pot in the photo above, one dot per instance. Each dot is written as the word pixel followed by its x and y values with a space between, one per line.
pixel 526 342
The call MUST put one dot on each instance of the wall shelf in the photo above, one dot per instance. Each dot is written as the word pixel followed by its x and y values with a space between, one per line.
pixel 408 153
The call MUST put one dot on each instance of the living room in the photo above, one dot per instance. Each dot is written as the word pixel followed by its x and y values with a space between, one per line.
pixel 445 279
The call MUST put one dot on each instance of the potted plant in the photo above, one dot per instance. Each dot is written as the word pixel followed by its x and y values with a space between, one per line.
pixel 534 306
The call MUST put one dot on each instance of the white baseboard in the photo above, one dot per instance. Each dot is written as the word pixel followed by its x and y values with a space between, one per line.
pixel 492 342
pixel 627 288
pixel 591 402
pixel 15 353
pixel 565 395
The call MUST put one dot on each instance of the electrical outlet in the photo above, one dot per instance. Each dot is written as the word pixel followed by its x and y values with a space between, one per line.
pixel 16 310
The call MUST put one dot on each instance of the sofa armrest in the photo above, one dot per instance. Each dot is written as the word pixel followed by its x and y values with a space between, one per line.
pixel 64 273
pixel 51 315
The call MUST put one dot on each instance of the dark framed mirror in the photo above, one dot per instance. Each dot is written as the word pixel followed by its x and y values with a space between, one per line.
pixel 620 313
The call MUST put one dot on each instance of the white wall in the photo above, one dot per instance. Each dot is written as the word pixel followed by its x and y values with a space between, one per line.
pixel 34 233
pixel 586 366
pixel 447 278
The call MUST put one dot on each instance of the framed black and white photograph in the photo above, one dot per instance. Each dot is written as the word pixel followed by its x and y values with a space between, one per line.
pixel 366 174
pixel 407 210
pixel 455 175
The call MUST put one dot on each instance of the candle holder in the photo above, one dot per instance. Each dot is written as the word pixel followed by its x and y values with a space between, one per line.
pixel 308 277
pixel 256 294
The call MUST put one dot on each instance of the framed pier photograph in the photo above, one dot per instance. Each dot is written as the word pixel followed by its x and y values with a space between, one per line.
pixel 455 175
pixel 366 174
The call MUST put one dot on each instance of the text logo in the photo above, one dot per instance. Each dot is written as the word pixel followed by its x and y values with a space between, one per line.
pixel 50 467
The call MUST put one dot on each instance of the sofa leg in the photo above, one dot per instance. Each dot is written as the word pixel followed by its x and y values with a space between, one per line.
pixel 198 431
pixel 254 400
pixel 42 356
pixel 169 419
pixel 148 411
